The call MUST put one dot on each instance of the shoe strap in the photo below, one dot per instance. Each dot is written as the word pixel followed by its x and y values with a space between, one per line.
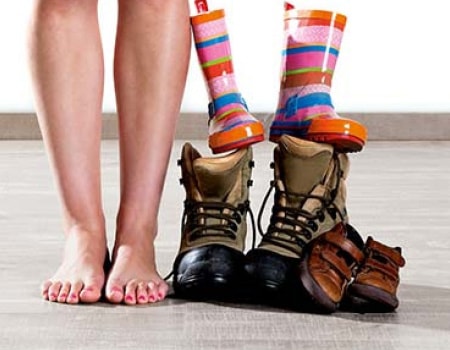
pixel 295 102
pixel 224 100
pixel 386 269
pixel 337 263
pixel 392 254
pixel 344 244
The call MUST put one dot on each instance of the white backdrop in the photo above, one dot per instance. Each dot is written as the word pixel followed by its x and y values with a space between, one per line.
pixel 394 55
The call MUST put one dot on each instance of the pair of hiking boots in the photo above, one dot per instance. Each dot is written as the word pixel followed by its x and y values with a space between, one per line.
pixel 308 249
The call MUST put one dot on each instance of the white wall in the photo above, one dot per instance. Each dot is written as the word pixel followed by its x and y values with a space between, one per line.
pixel 394 56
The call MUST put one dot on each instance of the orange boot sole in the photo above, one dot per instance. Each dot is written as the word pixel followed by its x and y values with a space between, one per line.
pixel 345 135
pixel 239 137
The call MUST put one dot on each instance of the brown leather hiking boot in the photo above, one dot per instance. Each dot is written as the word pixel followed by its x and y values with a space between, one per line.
pixel 309 201
pixel 374 288
pixel 210 258
pixel 327 266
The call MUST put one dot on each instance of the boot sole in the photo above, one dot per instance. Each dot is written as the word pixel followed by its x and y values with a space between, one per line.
pixel 345 135
pixel 205 287
pixel 239 137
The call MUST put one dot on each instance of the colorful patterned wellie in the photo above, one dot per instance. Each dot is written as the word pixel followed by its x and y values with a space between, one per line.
pixel 231 126
pixel 305 109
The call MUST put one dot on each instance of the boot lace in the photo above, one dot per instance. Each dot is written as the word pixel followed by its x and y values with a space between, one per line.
pixel 198 215
pixel 196 218
pixel 292 217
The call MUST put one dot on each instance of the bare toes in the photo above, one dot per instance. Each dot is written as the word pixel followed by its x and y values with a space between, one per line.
pixel 152 292
pixel 53 291
pixel 142 293
pixel 163 289
pixel 64 292
pixel 130 292
pixel 90 293
pixel 74 294
pixel 114 292
pixel 44 289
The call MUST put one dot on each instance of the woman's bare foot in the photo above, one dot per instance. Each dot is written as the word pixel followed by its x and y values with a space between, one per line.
pixel 80 278
pixel 133 278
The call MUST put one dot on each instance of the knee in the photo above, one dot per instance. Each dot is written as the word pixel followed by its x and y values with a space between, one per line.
pixel 54 9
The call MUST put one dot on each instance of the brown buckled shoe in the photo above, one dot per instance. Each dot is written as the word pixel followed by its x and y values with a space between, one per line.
pixel 374 287
pixel 326 267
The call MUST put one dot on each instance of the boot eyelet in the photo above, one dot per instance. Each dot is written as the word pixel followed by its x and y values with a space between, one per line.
pixel 312 225
pixel 321 216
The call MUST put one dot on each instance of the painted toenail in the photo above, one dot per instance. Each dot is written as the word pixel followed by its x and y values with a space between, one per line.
pixel 73 296
pixel 63 295
pixel 142 298
pixel 129 298
pixel 160 295
pixel 151 298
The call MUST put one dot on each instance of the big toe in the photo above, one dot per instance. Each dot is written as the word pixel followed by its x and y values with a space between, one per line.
pixel 91 293
pixel 114 292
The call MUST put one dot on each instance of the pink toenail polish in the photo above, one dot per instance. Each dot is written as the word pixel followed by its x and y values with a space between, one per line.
pixel 73 296
pixel 142 298
pixel 129 298
pixel 151 298
pixel 63 295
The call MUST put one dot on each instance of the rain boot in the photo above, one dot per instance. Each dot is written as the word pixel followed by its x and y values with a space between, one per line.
pixel 305 109
pixel 231 126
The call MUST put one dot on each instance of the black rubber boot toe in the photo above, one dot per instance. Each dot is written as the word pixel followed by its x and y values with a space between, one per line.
pixel 270 277
pixel 208 272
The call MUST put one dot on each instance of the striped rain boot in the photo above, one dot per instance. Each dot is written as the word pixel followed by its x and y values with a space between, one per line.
pixel 305 109
pixel 231 126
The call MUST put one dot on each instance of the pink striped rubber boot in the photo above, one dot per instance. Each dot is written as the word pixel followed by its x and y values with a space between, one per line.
pixel 231 126
pixel 305 109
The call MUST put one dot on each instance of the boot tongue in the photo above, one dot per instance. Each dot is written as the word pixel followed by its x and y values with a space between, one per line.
pixel 216 177
pixel 303 164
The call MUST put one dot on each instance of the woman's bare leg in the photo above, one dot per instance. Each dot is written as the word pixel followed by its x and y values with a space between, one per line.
pixel 67 71
pixel 151 60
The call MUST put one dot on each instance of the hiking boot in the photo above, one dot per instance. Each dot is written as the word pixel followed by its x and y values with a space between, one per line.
pixel 374 288
pixel 231 126
pixel 305 110
pixel 210 259
pixel 309 182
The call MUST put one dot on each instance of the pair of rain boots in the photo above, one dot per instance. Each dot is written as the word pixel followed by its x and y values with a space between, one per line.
pixel 309 200
pixel 312 40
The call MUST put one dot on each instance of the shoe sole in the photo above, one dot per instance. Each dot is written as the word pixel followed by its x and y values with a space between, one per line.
pixel 345 135
pixel 364 298
pixel 239 137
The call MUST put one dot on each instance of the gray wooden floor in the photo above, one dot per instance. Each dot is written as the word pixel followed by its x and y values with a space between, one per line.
pixel 397 192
